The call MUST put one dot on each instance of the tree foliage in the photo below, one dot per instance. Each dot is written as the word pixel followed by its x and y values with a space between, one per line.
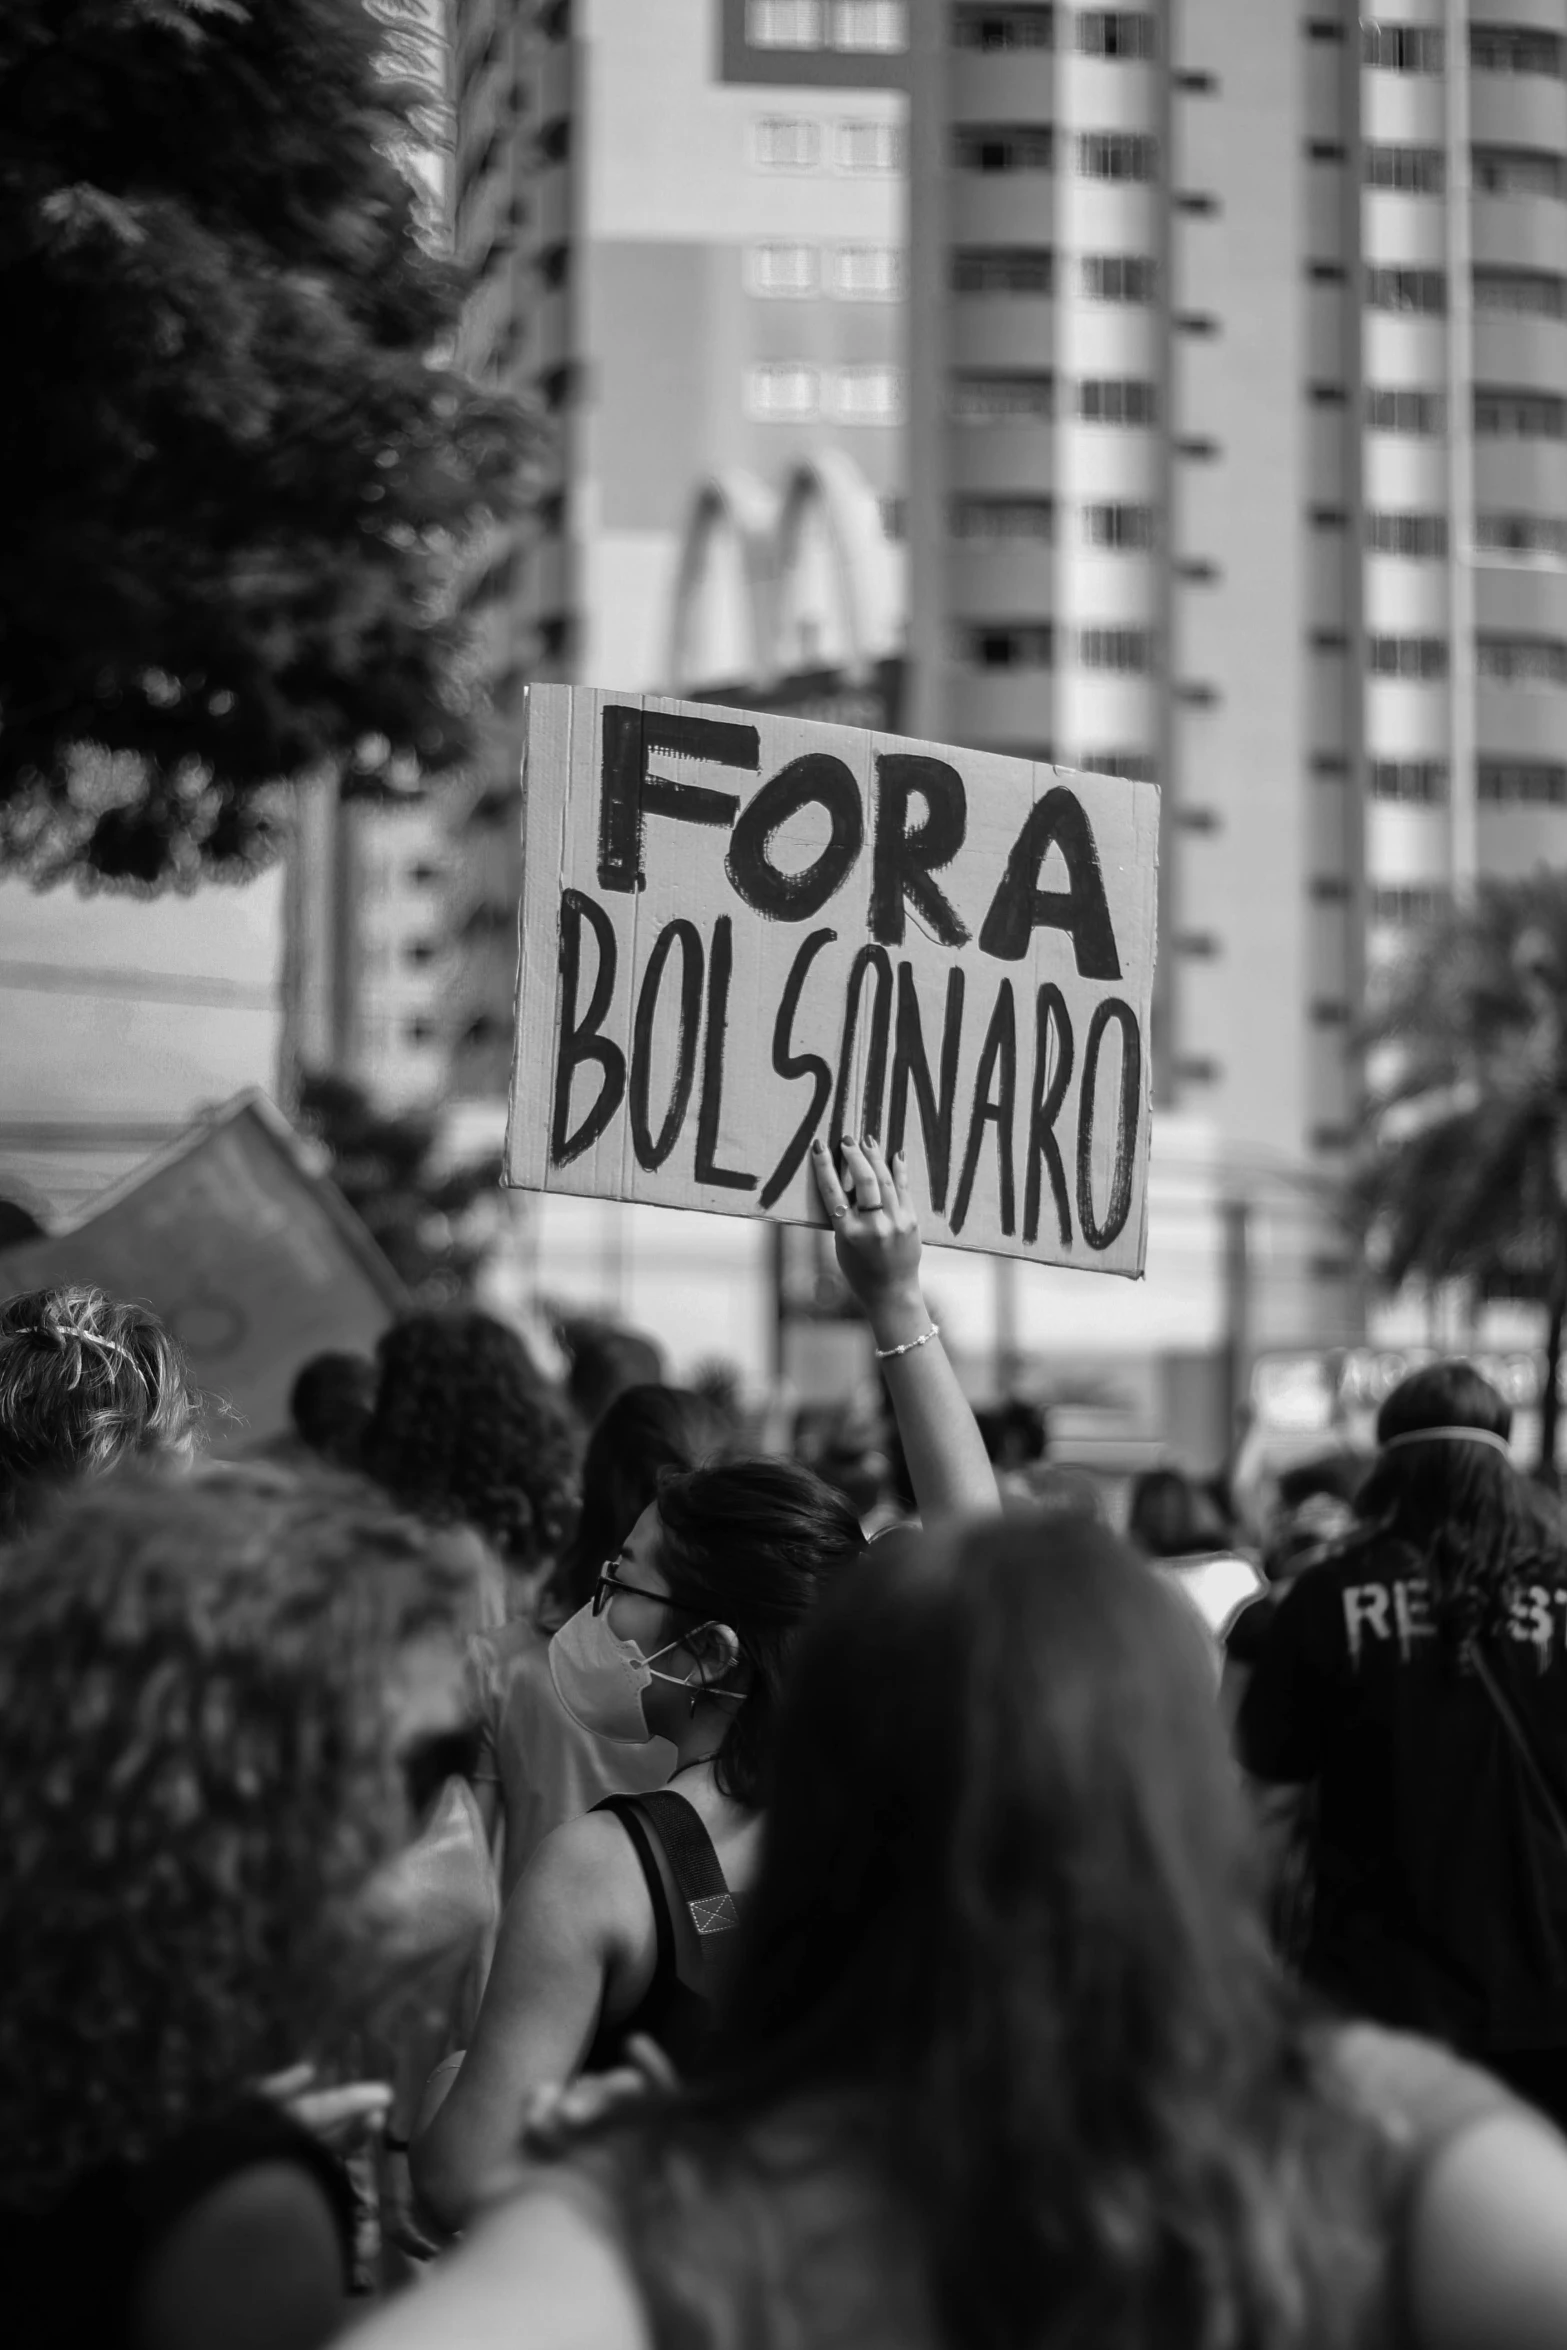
pixel 386 1165
pixel 236 467
pixel 1464 1175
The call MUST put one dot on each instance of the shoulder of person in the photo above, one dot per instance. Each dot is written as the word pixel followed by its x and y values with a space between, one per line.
pixel 587 1870
pixel 1486 2258
pixel 256 2264
pixel 551 2248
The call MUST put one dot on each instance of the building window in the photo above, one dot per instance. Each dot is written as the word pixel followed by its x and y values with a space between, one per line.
pixel 869 25
pixel 1004 146
pixel 1129 651
pixel 1329 889
pixel 1407 656
pixel 1519 171
pixel 1407 171
pixel 1515 48
pixel 1127 529
pixel 1327 273
pixel 1003 521
pixel 1420 781
pixel 1197 85
pixel 787 270
pixel 1526 416
pixel 784 24
pixel 870 146
pixel 1003 269
pixel 1117 155
pixel 1521 660
pixel 864 395
pixel 1326 151
pixel 1422 292
pixel 1193 819
pixel 1007 647
pixel 1197 571
pixel 1116 32
pixel 978 26
pixel 1407 905
pixel 1423 536
pixel 555 139
pixel 1532 783
pixel 555 265
pixel 1400 410
pixel 1328 517
pixel 782 142
pixel 1332 766
pixel 1521 534
pixel 782 390
pixel 1117 400
pixel 1198 207
pixel 1324 28
pixel 1003 399
pixel 1119 277
pixel 1539 292
pixel 1198 451
pixel 1136 766
pixel 1402 48
pixel 867 273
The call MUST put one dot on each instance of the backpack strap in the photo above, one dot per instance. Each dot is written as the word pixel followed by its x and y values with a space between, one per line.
pixel 1521 1743
pixel 707 1913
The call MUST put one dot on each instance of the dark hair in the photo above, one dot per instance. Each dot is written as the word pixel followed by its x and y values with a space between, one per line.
pixel 1171 1517
pixel 750 1544
pixel 603 1360
pixel 1462 1507
pixel 330 1404
pixel 1008 1902
pixel 465 1430
pixel 194 1771
pixel 86 1381
pixel 646 1432
pixel 1015 1433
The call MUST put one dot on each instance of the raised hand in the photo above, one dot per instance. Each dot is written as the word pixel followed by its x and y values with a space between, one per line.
pixel 875 1225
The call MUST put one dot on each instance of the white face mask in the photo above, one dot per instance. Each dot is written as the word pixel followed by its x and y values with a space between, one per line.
pixel 599 1678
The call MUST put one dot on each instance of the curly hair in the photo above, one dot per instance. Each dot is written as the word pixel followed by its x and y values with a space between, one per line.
pixel 465 1430
pixel 1462 1507
pixel 196 1770
pixel 85 1381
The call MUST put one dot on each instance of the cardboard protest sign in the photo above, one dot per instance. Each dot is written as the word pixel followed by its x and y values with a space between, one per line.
pixel 739 935
pixel 253 1262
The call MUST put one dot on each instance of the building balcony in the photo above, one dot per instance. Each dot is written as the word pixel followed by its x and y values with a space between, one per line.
pixel 1011 709
pixel 1516 110
pixel 1522 599
pixel 1520 721
pixel 1523 353
pixel 1001 208
pixel 1520 477
pixel 1016 458
pixel 1011 581
pixel 1517 232
pixel 1003 85
pixel 1515 842
pixel 1001 331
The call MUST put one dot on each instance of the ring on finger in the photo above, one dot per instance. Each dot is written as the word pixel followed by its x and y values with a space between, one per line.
pixel 837 1212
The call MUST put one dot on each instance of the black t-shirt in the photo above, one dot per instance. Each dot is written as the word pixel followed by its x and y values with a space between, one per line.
pixel 1440 1899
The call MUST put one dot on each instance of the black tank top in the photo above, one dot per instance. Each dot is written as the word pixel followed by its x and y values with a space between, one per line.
pixel 694 1917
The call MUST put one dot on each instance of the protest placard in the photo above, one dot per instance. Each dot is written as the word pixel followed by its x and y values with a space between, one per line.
pixel 249 1257
pixel 737 935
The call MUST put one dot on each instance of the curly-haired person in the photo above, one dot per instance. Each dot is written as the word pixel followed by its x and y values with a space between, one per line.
pixel 85 1381
pixel 465 1431
pixel 226 1703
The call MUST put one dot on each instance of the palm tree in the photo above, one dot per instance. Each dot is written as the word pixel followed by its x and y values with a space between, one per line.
pixel 1463 1178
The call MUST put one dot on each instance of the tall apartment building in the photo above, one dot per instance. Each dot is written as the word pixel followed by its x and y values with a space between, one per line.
pixel 1237 413
pixel 685 220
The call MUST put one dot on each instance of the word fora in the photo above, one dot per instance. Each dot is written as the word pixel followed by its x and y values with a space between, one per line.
pixel 879 998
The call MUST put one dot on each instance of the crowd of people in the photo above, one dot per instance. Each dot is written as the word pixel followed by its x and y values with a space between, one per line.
pixel 515 1862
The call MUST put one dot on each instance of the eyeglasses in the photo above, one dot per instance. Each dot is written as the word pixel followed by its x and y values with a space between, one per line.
pixel 607 1585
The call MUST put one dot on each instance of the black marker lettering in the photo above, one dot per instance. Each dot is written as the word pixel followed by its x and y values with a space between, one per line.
pixel 628 795
pixel 903 861
pixel 1097 1235
pixel 872 1093
pixel 652 1150
pixel 816 780
pixel 1020 906
pixel 580 1040
pixel 910 1061
pixel 998 1056
pixel 790 1064
pixel 710 1115
pixel 1049 1012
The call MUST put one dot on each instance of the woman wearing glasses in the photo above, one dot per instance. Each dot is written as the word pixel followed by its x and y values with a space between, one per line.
pixel 622 1921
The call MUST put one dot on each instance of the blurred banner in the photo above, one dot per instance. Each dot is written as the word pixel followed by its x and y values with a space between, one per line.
pixel 738 937
pixel 253 1261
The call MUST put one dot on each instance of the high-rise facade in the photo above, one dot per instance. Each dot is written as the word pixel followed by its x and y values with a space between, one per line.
pixel 685 224
pixel 1237 416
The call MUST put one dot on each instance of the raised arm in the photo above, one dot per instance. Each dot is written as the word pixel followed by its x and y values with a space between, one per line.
pixel 561 1934
pixel 878 1239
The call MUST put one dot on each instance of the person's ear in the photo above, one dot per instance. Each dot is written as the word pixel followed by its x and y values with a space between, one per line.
pixel 717 1650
